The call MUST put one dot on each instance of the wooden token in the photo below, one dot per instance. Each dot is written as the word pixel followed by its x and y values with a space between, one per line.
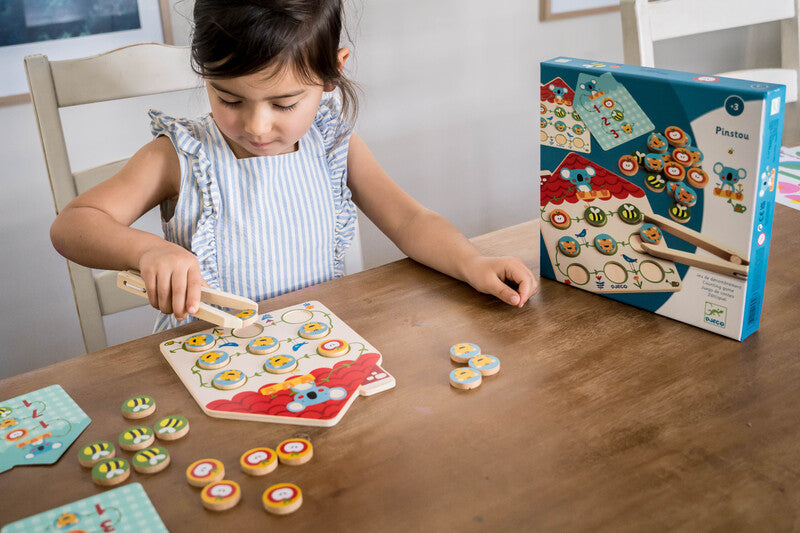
pixel 628 165
pixel 151 460
pixel 674 171
pixel 595 216
pixel 629 213
pixel 171 427
pixel 295 451
pixel 221 495
pixel 138 407
pixel 680 213
pixel 697 156
pixel 199 342
pixel 465 378
pixel 110 472
pixel 683 156
pixel 248 316
pixel 280 364
pixel 213 360
pixel 560 218
pixel 283 498
pixel 136 438
pixel 650 234
pixel 263 345
pixel 96 451
pixel 569 246
pixel 229 379
pixel 653 162
pixel 314 330
pixel 676 136
pixel 204 471
pixel 697 177
pixel 487 365
pixel 461 352
pixel 333 348
pixel 685 195
pixel 657 143
pixel 258 461
pixel 655 182
pixel 605 244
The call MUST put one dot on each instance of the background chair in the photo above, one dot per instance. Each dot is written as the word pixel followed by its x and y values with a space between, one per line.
pixel 646 22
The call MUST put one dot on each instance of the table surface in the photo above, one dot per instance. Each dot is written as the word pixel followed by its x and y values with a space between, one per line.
pixel 603 416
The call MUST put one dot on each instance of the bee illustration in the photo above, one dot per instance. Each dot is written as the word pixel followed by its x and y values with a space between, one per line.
pixel 137 435
pixel 151 456
pixel 140 403
pixel 97 450
pixel 171 425
pixel 112 468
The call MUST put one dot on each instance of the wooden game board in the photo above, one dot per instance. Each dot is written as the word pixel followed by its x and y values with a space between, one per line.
pixel 316 393
pixel 604 197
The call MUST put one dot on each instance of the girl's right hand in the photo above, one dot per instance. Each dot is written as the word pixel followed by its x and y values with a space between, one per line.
pixel 172 279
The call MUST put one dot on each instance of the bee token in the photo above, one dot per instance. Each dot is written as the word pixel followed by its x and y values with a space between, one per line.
pixel 258 461
pixel 295 451
pixel 314 330
pixel 560 218
pixel 171 427
pixel 229 379
pixel 109 472
pixel 94 452
pixel 283 498
pixel 136 438
pixel 629 213
pixel 333 348
pixel 201 473
pixel 280 364
pixel 605 244
pixel 461 352
pixel 263 345
pixel 465 378
pixel 221 495
pixel 595 216
pixel 213 360
pixel 487 365
pixel 679 212
pixel 655 182
pixel 199 342
pixel 150 460
pixel 138 407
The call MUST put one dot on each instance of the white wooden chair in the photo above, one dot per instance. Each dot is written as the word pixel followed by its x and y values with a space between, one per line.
pixel 137 70
pixel 646 22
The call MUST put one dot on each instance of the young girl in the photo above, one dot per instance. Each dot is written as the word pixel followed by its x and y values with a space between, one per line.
pixel 258 197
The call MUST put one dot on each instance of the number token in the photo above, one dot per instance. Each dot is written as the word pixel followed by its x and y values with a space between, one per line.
pixel 138 407
pixel 199 342
pixel 94 452
pixel 229 379
pixel 560 219
pixel 333 348
pixel 605 244
pixel 314 330
pixel 201 473
pixel 151 460
pixel 213 360
pixel 136 438
pixel 263 345
pixel 110 472
pixel 295 451
pixel 465 378
pixel 172 427
pixel 221 495
pixel 487 365
pixel 258 461
pixel 283 498
pixel 461 352
pixel 280 364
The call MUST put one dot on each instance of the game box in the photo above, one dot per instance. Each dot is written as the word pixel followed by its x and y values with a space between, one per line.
pixel 658 188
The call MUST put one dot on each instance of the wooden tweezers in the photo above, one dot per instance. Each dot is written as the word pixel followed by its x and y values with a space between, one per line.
pixel 131 281
pixel 727 261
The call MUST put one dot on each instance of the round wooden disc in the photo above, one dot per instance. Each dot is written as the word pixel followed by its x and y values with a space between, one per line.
pixel 109 472
pixel 295 451
pixel 283 498
pixel 204 471
pixel 94 452
pixel 221 495
pixel 171 427
pixel 151 460
pixel 138 407
pixel 258 461
pixel 136 438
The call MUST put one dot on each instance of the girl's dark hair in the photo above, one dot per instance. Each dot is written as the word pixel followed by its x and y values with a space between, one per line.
pixel 239 37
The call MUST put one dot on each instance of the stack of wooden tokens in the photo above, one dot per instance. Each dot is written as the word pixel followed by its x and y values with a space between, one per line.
pixel 108 469
pixel 478 365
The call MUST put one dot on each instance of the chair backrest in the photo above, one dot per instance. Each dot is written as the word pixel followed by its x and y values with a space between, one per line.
pixel 137 70
pixel 646 22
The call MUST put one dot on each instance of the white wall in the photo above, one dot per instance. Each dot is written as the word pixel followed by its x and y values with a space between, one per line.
pixel 449 109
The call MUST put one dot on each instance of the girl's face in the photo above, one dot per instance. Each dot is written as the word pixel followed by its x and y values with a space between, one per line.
pixel 265 113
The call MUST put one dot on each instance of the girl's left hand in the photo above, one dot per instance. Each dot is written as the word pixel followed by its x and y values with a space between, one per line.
pixel 491 275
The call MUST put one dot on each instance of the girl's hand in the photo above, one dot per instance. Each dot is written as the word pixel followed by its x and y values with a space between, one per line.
pixel 172 278
pixel 499 275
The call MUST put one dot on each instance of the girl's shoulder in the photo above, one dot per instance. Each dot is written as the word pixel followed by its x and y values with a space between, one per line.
pixel 331 123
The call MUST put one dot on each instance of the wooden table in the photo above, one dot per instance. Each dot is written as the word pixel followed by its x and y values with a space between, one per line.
pixel 604 417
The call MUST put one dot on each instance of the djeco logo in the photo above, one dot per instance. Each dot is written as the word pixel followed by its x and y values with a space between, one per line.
pixel 715 314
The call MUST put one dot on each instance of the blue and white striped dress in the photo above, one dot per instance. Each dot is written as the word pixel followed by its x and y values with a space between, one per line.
pixel 260 226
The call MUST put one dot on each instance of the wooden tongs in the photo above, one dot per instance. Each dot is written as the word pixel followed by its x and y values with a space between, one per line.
pixel 131 281
pixel 728 261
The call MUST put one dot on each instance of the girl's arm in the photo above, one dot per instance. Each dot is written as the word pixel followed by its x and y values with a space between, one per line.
pixel 428 237
pixel 93 229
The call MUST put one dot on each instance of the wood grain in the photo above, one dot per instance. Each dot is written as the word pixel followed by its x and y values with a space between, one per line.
pixel 604 417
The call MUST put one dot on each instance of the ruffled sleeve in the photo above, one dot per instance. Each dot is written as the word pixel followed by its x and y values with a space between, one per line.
pixel 198 191
pixel 335 133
